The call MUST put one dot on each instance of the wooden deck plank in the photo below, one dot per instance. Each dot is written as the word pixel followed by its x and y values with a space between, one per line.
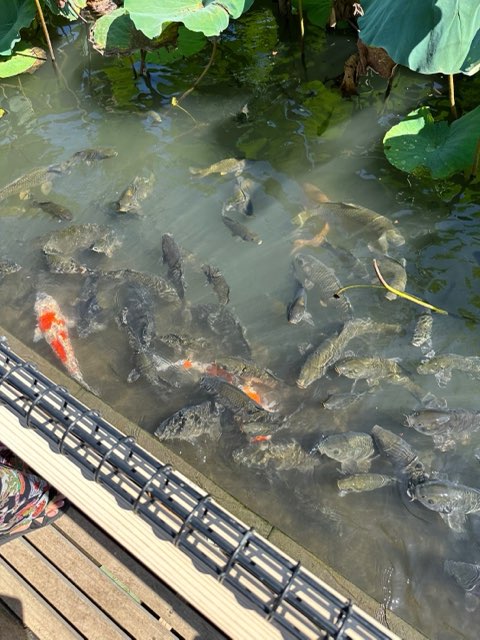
pixel 60 593
pixel 174 611
pixel 31 608
pixel 97 586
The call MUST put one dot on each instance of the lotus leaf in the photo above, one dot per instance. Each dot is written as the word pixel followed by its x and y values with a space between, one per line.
pixel 69 11
pixel 317 11
pixel 24 59
pixel 115 34
pixel 428 36
pixel 210 16
pixel 14 15
pixel 418 143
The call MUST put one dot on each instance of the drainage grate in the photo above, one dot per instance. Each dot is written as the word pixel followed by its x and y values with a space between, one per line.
pixel 286 593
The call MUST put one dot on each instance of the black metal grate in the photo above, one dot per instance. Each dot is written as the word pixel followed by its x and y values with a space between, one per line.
pixel 287 594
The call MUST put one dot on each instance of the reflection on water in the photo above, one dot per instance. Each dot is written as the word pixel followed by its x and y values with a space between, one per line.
pixel 291 129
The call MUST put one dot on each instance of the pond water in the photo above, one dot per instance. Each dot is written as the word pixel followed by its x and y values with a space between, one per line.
pixel 289 122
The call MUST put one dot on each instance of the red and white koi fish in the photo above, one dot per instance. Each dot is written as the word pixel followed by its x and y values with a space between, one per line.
pixel 53 326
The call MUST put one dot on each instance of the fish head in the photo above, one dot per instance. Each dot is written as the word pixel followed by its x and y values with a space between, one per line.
pixel 353 368
pixel 434 495
pixel 395 237
pixel 427 421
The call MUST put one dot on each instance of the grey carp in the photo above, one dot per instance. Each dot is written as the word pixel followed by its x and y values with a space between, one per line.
pixel 54 209
pixel 136 315
pixel 442 366
pixel 241 200
pixel 156 370
pixel 137 191
pixel 58 263
pixel 228 165
pixel 277 457
pixel 90 316
pixel 8 267
pixel 90 155
pixel 76 237
pixel 191 423
pixel 360 482
pixel 217 319
pixel 422 333
pixel 331 350
pixel 173 259
pixel 218 282
pixel 403 458
pixel 297 308
pixel 353 449
pixel 157 285
pixel 231 397
pixel 445 426
pixel 34 178
pixel 240 230
pixel 452 501
pixel 394 273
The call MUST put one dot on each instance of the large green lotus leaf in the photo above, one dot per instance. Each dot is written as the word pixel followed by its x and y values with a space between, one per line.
pixel 418 143
pixel 317 11
pixel 115 34
pixel 24 59
pixel 188 44
pixel 70 10
pixel 428 36
pixel 210 16
pixel 14 15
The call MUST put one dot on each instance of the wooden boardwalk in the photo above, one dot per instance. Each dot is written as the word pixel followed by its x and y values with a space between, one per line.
pixel 70 580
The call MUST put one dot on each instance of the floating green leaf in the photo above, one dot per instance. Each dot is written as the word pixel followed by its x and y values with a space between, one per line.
pixel 210 16
pixel 115 34
pixel 188 43
pixel 419 144
pixel 14 15
pixel 428 36
pixel 24 59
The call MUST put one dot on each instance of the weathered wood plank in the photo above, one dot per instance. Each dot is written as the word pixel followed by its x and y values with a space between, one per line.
pixel 60 593
pixel 97 586
pixel 29 606
pixel 177 614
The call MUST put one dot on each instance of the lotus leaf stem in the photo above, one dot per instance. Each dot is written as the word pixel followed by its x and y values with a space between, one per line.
pixel 45 30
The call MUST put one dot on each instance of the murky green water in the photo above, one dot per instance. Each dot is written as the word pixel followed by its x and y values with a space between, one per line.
pixel 295 130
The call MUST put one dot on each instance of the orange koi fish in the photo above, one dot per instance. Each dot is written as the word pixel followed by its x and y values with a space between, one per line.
pixel 53 326
pixel 316 241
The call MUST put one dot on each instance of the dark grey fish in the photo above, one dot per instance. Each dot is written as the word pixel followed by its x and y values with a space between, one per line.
pixel 230 397
pixel 8 267
pixel 156 284
pixel 90 317
pixel 422 334
pixel 76 237
pixel 310 272
pixel 173 259
pixel 445 426
pixel 338 401
pixel 442 366
pixel 297 308
pixel 240 230
pixel 42 176
pixel 452 501
pixel 54 209
pixel 353 449
pixel 360 482
pixel 91 155
pixel 58 263
pixel 156 370
pixel 403 458
pixel 220 321
pixel 218 282
pixel 241 200
pixel 277 457
pixel 137 191
pixel 467 576
pixel 136 315
pixel 191 423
